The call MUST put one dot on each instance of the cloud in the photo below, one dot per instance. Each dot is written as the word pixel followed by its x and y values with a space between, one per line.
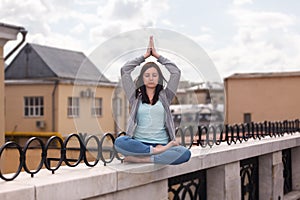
pixel 263 42
pixel 78 24
pixel 78 29
pixel 120 10
pixel 120 15
pixel 242 2
pixel 254 19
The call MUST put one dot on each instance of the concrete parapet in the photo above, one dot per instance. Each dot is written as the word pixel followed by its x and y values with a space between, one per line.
pixel 150 181
pixel 271 176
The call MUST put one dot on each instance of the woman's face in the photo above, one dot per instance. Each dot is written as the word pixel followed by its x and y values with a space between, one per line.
pixel 151 77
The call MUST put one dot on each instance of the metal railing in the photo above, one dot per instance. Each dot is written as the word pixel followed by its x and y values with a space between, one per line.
pixel 188 186
pixel 204 136
pixel 287 170
pixel 231 134
pixel 249 179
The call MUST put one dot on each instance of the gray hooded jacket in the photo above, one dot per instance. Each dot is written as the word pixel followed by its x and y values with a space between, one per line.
pixel 165 96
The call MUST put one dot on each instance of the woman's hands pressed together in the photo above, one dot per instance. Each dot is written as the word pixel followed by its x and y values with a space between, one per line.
pixel 151 51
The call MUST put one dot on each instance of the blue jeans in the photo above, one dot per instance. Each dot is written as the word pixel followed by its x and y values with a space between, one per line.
pixel 132 147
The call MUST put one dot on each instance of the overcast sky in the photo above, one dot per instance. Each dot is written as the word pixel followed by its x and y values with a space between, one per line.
pixel 238 35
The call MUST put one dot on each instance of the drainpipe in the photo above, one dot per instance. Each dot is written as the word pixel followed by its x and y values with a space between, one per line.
pixel 24 33
pixel 53 105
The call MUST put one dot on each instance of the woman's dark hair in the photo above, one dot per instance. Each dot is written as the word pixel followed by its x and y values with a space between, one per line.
pixel 141 88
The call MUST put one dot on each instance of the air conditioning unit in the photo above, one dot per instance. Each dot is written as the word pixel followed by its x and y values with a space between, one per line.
pixel 83 94
pixel 40 124
pixel 88 93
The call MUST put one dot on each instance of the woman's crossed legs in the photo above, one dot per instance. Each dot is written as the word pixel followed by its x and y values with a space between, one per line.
pixel 137 151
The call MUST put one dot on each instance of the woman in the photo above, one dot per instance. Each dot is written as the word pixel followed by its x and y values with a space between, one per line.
pixel 151 132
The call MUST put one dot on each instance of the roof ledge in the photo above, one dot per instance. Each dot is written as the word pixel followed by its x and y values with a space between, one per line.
pixel 8 32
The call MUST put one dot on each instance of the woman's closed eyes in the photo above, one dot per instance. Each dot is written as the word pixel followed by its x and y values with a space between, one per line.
pixel 147 75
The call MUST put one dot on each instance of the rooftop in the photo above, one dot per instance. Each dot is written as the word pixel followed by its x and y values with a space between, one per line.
pixel 43 62
pixel 11 26
pixel 263 75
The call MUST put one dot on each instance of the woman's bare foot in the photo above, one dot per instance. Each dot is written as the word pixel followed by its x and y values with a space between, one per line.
pixel 160 148
pixel 137 159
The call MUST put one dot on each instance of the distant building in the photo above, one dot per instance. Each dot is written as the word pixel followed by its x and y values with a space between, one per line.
pixel 262 96
pixel 199 93
pixel 51 90
pixel 206 93
pixel 198 104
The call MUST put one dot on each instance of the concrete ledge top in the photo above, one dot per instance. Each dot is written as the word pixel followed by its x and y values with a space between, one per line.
pixel 294 195
pixel 67 183
pixel 84 182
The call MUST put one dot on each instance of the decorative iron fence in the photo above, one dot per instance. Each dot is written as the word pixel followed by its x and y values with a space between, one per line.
pixel 90 144
pixel 188 186
pixel 287 170
pixel 249 178
pixel 215 135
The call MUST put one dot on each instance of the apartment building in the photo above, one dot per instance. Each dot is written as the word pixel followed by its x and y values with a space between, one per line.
pixel 56 91
pixel 262 96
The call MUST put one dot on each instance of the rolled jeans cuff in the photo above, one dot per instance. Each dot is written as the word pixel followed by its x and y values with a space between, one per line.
pixel 152 158
pixel 151 149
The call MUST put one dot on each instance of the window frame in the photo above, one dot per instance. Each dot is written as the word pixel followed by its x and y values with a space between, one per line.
pixel 97 110
pixel 247 117
pixel 73 111
pixel 33 106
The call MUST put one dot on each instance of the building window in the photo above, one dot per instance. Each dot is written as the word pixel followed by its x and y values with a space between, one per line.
pixel 208 98
pixel 117 106
pixel 73 107
pixel 247 117
pixel 33 106
pixel 221 98
pixel 97 107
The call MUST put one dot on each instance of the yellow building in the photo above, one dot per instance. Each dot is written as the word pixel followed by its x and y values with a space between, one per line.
pixel 262 96
pixel 7 32
pixel 54 91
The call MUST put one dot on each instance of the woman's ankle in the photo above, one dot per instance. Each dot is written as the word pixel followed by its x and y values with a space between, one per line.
pixel 137 159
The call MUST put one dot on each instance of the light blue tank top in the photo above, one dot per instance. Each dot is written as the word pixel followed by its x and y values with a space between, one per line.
pixel 151 124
